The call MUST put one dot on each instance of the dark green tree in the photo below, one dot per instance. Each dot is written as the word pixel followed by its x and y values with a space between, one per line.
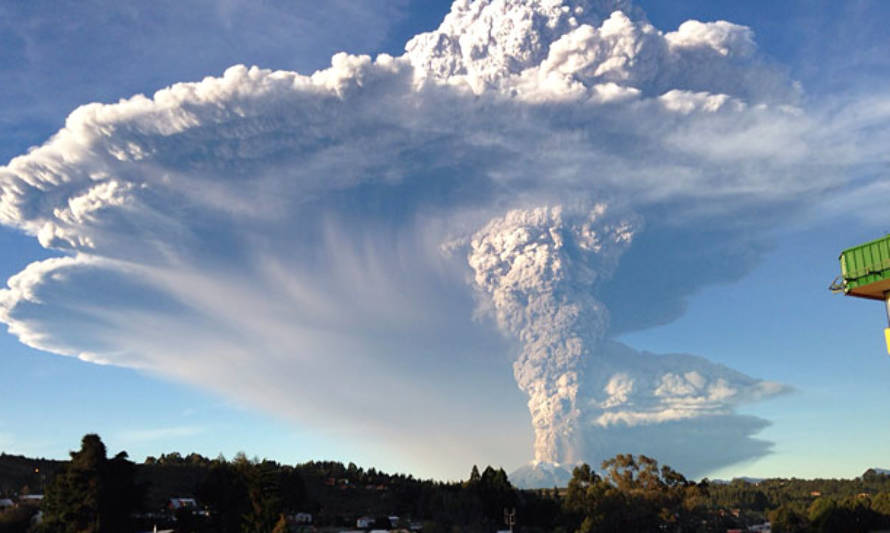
pixel 92 494
pixel 823 514
pixel 636 495
pixel 224 490
pixel 881 503
pixel 787 519
pixel 474 475
pixel 272 490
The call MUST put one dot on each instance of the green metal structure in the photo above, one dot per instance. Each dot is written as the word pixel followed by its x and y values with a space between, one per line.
pixel 865 273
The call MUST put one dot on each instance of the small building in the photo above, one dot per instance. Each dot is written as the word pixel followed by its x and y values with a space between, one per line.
pixel 31 499
pixel 176 504
pixel 6 503
pixel 303 518
pixel 364 522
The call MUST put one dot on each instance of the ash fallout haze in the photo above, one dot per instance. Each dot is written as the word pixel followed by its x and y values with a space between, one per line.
pixel 490 232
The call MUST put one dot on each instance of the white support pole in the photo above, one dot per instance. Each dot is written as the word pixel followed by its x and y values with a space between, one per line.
pixel 887 329
pixel 887 303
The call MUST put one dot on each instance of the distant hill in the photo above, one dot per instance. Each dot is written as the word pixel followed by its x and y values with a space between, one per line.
pixel 876 471
pixel 17 471
pixel 752 480
pixel 161 481
pixel 540 476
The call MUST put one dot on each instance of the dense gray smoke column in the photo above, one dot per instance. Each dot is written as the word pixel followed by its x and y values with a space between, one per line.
pixel 539 269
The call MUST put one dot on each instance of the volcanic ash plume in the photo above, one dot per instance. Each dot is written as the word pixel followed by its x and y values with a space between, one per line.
pixel 539 269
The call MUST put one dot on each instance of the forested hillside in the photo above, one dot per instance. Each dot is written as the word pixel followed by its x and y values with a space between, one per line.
pixel 93 492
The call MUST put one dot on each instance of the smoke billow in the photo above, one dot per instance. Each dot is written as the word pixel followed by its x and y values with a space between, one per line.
pixel 539 269
pixel 538 272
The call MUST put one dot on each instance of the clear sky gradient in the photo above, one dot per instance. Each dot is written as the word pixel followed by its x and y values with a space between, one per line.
pixel 778 322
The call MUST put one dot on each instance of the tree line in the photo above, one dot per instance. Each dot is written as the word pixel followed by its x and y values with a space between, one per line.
pixel 95 493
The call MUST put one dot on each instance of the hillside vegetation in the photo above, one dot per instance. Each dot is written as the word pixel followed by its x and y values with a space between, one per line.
pixel 94 493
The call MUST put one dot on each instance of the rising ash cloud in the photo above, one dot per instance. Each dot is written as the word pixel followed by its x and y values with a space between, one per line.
pixel 368 248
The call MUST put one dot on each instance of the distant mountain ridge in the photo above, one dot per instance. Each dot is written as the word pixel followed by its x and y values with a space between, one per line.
pixel 540 476
pixel 746 479
pixel 870 472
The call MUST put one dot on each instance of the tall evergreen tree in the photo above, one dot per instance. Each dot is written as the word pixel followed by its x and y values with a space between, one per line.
pixel 92 494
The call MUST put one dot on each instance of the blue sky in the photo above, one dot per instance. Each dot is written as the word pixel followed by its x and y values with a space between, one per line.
pixel 774 320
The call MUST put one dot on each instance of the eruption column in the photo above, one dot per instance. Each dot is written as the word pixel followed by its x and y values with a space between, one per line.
pixel 538 270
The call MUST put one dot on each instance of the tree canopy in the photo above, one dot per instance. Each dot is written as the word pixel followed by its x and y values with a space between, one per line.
pixel 92 494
